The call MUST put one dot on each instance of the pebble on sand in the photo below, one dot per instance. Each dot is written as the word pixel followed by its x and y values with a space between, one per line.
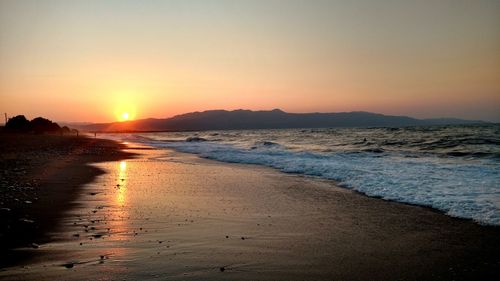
pixel 26 220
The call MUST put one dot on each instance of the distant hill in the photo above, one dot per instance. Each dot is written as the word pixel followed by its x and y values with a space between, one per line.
pixel 273 119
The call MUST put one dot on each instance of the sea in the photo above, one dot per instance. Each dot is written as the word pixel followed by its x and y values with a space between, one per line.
pixel 454 169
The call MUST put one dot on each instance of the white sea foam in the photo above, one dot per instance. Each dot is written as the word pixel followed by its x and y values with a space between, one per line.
pixel 464 190
pixel 459 187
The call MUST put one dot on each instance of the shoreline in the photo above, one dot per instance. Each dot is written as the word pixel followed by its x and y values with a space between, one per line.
pixel 308 228
pixel 42 175
pixel 335 183
pixel 458 180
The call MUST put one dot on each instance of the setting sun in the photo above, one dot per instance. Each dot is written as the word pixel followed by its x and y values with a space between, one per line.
pixel 125 116
pixel 125 110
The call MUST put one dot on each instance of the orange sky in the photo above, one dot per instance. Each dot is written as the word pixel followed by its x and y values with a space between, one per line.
pixel 93 60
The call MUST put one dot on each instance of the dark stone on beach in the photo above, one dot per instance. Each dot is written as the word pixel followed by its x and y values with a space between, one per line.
pixel 26 220
pixel 222 269
pixel 374 150
pixel 227 236
pixel 195 139
pixel 242 238
pixel 102 257
pixel 69 265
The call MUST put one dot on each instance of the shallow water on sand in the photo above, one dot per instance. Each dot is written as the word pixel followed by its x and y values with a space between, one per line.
pixel 455 169
pixel 145 219
pixel 171 216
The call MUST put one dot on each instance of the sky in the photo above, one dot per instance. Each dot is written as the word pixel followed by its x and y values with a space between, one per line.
pixel 95 60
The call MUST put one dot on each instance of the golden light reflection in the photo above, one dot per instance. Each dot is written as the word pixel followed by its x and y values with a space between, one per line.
pixel 118 219
pixel 123 166
pixel 122 183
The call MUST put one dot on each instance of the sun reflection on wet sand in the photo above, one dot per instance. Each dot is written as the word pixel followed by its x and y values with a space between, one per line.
pixel 119 216
pixel 122 183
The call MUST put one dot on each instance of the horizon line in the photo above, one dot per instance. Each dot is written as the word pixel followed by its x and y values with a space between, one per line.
pixel 288 112
pixel 259 110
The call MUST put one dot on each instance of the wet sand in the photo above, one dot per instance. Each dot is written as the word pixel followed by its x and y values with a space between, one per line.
pixel 40 177
pixel 171 216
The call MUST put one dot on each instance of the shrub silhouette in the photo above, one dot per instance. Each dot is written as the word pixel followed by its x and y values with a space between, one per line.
pixel 41 125
pixel 65 130
pixel 38 125
pixel 18 123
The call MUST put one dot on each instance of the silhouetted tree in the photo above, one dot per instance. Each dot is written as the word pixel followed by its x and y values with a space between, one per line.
pixel 41 125
pixel 38 125
pixel 65 130
pixel 18 123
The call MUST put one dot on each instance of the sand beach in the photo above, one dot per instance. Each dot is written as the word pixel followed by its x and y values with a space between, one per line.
pixel 40 178
pixel 165 215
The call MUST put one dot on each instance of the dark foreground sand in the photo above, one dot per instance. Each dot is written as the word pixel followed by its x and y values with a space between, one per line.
pixel 40 176
pixel 171 216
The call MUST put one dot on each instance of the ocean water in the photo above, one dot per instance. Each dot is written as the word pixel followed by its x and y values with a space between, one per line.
pixel 455 169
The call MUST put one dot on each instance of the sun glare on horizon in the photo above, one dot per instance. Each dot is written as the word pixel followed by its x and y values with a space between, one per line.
pixel 125 116
pixel 125 111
